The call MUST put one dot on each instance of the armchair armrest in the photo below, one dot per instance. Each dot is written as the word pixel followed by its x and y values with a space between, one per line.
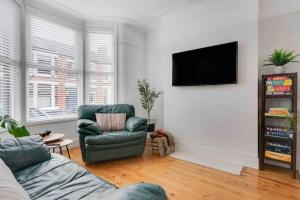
pixel 136 124
pixel 88 127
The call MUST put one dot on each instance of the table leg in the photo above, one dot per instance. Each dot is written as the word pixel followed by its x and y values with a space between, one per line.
pixel 68 151
pixel 60 151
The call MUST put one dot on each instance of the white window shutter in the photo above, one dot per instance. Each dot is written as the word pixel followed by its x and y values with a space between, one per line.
pixel 54 69
pixel 9 55
pixel 100 68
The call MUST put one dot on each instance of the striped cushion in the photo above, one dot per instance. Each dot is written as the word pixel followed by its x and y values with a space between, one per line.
pixel 111 121
pixel 10 189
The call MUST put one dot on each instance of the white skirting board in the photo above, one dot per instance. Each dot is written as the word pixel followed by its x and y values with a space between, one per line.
pixel 218 159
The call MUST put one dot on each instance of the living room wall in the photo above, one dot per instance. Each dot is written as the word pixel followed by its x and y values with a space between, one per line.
pixel 213 125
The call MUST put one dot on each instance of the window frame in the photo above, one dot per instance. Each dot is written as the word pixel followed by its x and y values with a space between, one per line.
pixel 51 19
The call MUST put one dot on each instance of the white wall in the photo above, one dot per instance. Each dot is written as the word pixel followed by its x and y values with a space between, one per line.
pixel 280 31
pixel 131 65
pixel 213 125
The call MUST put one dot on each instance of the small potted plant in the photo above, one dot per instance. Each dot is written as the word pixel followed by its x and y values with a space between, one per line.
pixel 148 97
pixel 14 128
pixel 279 58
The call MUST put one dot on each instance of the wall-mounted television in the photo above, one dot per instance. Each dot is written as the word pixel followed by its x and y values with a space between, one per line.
pixel 206 66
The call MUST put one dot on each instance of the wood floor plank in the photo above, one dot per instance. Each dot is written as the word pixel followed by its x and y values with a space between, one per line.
pixel 185 180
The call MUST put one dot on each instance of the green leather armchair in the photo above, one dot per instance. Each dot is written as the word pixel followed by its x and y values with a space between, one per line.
pixel 97 146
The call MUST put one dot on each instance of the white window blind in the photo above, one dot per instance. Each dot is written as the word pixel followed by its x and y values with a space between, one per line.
pixel 54 69
pixel 9 55
pixel 100 68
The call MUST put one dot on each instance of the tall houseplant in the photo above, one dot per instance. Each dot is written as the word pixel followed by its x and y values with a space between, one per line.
pixel 14 128
pixel 148 97
pixel 279 59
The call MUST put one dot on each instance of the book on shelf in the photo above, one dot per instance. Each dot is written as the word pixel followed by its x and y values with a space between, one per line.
pixel 278 112
pixel 279 148
pixel 279 85
pixel 273 115
pixel 278 156
pixel 278 132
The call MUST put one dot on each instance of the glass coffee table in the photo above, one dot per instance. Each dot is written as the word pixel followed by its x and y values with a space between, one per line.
pixel 56 141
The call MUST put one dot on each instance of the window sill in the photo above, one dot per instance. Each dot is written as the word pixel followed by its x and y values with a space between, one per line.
pixel 52 121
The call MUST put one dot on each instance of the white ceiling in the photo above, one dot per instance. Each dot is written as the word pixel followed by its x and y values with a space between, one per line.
pixel 142 12
pixel 147 13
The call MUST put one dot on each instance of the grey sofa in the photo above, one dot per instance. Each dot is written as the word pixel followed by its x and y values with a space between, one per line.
pixel 97 146
pixel 46 176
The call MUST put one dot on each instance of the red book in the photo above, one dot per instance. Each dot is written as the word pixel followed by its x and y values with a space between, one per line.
pixel 282 88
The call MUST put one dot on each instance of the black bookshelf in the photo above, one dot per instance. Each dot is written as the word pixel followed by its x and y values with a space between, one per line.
pixel 291 142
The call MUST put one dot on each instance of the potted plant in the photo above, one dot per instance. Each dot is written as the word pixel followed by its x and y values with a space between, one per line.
pixel 292 120
pixel 148 97
pixel 14 128
pixel 279 58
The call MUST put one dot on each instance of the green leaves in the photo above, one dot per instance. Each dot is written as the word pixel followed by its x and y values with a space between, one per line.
pixel 148 95
pixel 281 57
pixel 13 127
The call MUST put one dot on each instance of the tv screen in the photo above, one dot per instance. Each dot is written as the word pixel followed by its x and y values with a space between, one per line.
pixel 206 66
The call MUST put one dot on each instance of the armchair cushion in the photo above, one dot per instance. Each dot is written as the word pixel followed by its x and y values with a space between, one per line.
pixel 88 127
pixel 115 137
pixel 88 111
pixel 19 153
pixel 136 124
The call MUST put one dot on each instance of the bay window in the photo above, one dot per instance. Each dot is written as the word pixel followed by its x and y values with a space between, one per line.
pixel 52 64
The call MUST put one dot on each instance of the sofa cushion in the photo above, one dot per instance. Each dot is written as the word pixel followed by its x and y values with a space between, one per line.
pixel 60 178
pixel 10 189
pixel 136 124
pixel 19 153
pixel 140 191
pixel 111 121
pixel 115 137
pixel 88 111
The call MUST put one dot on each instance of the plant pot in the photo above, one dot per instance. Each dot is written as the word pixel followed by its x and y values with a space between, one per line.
pixel 151 127
pixel 279 69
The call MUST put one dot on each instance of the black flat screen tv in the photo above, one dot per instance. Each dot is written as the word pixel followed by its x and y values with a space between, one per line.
pixel 206 66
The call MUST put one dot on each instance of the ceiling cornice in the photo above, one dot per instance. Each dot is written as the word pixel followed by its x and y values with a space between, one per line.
pixel 110 19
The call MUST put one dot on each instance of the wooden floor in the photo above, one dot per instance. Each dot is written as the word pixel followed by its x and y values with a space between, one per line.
pixel 185 180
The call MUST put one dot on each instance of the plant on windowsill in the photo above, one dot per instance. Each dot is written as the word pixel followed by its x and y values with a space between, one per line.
pixel 148 97
pixel 13 127
pixel 279 59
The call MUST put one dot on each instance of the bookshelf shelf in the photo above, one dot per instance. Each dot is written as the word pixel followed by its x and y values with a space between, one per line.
pixel 279 96
pixel 278 116
pixel 285 87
